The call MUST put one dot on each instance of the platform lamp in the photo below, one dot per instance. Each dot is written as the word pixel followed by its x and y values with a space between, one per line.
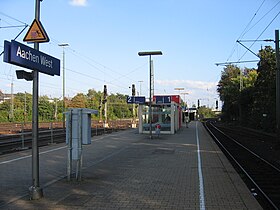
pixel 179 89
pixel 185 93
pixel 140 81
pixel 63 80
pixel 150 53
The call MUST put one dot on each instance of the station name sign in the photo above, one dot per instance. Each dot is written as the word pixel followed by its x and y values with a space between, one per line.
pixel 163 99
pixel 135 99
pixel 27 57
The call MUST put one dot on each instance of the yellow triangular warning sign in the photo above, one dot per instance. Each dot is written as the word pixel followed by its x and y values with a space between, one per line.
pixel 36 33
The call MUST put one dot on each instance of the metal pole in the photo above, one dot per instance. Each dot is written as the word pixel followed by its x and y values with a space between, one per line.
pixel 51 127
pixel 12 102
pixel 63 93
pixel 100 110
pixel 140 93
pixel 150 102
pixel 24 108
pixel 55 110
pixel 105 113
pixel 63 45
pixel 69 162
pixel 22 135
pixel 35 191
pixel 80 149
pixel 277 84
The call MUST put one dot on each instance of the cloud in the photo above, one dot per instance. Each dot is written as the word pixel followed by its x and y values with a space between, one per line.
pixel 203 90
pixel 79 3
pixel 188 84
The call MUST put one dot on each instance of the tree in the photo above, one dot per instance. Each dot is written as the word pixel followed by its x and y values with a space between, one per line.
pixel 263 115
pixel 246 96
pixel 78 101
pixel 236 89
pixel 257 98
pixel 205 112
pixel 118 108
pixel 4 111
pixel 45 109
pixel 48 108
pixel 93 99
pixel 229 89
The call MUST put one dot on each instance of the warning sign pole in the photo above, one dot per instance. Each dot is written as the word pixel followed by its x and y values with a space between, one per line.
pixel 36 192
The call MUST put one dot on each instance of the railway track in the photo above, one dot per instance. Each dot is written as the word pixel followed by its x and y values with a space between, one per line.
pixel 23 140
pixel 261 176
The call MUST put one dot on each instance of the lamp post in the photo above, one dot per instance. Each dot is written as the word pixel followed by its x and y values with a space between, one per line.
pixel 179 89
pixel 185 93
pixel 63 80
pixel 150 53
pixel 140 86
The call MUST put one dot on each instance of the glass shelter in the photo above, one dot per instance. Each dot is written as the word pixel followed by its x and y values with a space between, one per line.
pixel 167 113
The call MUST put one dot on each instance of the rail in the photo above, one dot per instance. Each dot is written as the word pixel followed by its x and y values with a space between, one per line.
pixel 20 138
pixel 263 176
pixel 15 128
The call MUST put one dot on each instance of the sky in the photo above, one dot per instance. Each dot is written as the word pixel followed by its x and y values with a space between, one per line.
pixel 105 36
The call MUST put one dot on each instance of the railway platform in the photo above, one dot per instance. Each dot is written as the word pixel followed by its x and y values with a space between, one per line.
pixel 127 170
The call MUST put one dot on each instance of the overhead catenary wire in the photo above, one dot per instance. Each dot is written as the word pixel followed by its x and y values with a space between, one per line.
pixel 134 70
pixel 2 13
pixel 232 62
pixel 247 29
pixel 259 36
pixel 263 17
pixel 18 26
pixel 96 65
pixel 91 62
pixel 89 76
pixel 87 59
pixel 247 26
pixel 244 31
pixel 24 26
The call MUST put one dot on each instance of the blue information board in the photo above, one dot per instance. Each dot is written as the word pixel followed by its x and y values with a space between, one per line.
pixel 163 99
pixel 135 99
pixel 27 57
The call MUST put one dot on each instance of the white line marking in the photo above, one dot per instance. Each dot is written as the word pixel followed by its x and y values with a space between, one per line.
pixel 61 176
pixel 28 156
pixel 13 160
pixel 47 151
pixel 201 187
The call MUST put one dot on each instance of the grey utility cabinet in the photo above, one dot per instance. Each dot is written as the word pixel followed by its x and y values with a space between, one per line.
pixel 78 129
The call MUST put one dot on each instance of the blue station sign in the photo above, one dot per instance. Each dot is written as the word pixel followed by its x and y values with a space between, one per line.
pixel 163 99
pixel 135 99
pixel 27 57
